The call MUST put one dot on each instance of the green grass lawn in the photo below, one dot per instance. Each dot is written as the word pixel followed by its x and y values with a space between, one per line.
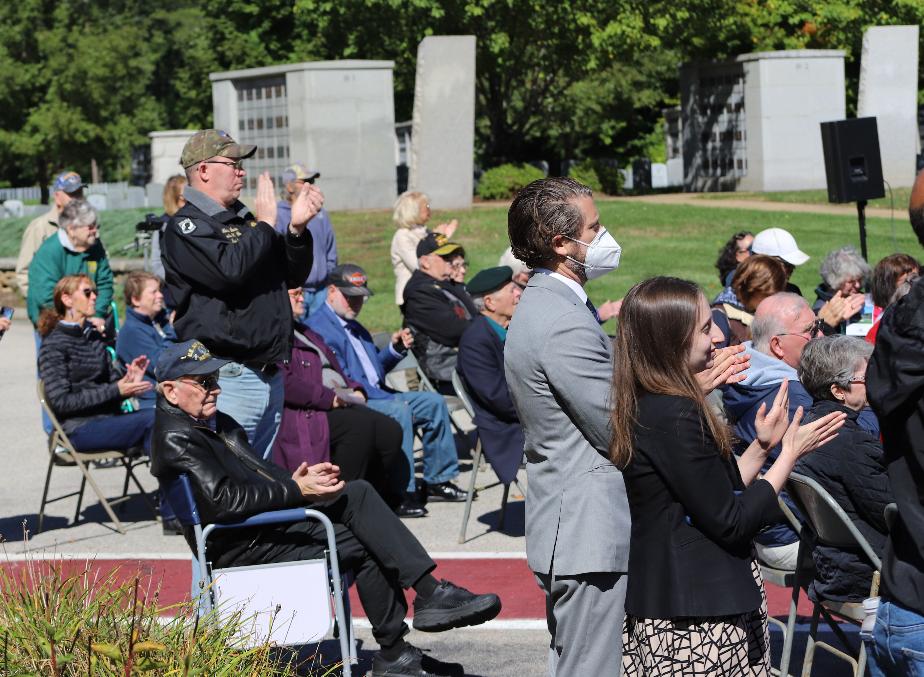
pixel 656 240
pixel 900 197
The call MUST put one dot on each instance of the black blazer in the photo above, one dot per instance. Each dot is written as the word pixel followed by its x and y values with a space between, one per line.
pixel 692 518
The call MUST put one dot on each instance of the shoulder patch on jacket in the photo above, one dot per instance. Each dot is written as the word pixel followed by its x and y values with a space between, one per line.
pixel 186 226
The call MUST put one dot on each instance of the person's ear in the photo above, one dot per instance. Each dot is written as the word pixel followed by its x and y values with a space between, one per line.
pixel 838 393
pixel 560 245
pixel 489 304
pixel 169 390
pixel 776 347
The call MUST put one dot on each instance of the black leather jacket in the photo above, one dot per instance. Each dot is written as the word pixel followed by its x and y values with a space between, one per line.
pixel 229 481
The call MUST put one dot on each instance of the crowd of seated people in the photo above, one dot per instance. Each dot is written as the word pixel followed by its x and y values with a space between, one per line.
pixel 755 279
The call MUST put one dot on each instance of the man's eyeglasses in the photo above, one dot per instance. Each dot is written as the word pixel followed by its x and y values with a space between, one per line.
pixel 812 331
pixel 207 383
pixel 88 291
pixel 238 165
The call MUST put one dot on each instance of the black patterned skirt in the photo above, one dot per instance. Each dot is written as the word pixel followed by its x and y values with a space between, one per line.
pixel 697 647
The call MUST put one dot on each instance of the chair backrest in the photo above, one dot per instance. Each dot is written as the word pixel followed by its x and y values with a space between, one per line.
pixel 178 493
pixel 827 520
pixel 381 339
pixel 462 394
pixel 58 437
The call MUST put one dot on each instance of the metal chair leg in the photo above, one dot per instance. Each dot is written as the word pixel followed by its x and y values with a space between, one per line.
pixel 476 464
pixel 83 484
pixel 503 513
pixel 41 517
pixel 99 494
pixel 810 643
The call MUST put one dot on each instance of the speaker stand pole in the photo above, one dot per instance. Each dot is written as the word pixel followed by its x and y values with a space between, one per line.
pixel 861 217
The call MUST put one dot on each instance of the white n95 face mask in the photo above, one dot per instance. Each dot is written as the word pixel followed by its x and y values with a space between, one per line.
pixel 602 254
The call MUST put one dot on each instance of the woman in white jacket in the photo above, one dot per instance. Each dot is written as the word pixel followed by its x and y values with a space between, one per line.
pixel 412 211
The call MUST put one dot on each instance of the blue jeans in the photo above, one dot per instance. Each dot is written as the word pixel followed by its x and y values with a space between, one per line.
pixel 314 299
pixel 254 401
pixel 115 432
pixel 428 412
pixel 896 647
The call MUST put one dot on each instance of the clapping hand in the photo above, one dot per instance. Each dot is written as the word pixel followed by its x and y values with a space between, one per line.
pixel 318 482
pixel 772 425
pixel 609 310
pixel 840 308
pixel 403 338
pixel 133 382
pixel 728 365
pixel 447 229
pixel 265 204
pixel 801 439
pixel 307 204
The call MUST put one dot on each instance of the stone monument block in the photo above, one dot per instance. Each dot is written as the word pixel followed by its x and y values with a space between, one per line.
pixel 166 148
pixel 889 92
pixel 659 176
pixel 443 131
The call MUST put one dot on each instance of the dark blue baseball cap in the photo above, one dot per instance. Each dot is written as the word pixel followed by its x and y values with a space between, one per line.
pixel 69 182
pixel 189 358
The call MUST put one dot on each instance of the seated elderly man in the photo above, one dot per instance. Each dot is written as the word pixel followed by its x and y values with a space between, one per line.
pixel 230 482
pixel 481 366
pixel 851 467
pixel 336 322
pixel 434 311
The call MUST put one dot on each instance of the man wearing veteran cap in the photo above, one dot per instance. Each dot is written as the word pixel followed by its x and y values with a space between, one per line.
pixel 481 366
pixel 230 483
pixel 336 322
pixel 227 271
pixel 67 186
pixel 322 233
pixel 436 315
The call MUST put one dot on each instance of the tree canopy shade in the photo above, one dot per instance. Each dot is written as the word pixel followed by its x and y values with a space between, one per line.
pixel 87 80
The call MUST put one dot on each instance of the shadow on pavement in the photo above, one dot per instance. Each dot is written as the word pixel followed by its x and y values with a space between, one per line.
pixel 514 519
pixel 317 658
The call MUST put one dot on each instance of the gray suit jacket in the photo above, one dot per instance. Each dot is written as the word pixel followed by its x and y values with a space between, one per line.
pixel 559 364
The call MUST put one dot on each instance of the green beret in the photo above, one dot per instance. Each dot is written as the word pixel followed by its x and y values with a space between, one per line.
pixel 489 279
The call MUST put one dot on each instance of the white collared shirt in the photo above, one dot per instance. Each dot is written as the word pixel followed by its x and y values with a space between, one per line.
pixel 371 374
pixel 572 284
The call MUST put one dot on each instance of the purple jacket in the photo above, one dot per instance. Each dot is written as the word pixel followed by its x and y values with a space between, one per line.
pixel 304 434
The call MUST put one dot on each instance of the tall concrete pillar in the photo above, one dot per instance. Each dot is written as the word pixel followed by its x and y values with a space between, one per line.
pixel 443 130
pixel 889 92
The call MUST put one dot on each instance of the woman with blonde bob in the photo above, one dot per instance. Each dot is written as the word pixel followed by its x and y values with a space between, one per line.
pixel 695 602
pixel 412 211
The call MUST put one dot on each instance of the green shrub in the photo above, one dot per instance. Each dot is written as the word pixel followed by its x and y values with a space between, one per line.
pixel 503 182
pixel 99 624
pixel 599 176
pixel 585 172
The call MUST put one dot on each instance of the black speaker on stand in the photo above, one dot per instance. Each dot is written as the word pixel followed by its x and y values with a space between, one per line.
pixel 853 166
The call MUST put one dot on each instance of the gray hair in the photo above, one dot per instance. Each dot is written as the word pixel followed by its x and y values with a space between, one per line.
pixel 831 360
pixel 515 264
pixel 844 264
pixel 772 318
pixel 478 302
pixel 407 208
pixel 77 213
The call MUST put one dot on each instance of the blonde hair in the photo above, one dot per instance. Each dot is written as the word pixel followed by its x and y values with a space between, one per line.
pixel 407 209
pixel 173 191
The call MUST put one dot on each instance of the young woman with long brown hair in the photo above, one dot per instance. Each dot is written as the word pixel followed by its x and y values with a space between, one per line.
pixel 695 603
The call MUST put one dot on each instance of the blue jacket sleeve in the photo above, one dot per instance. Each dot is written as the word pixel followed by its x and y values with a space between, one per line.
pixel 483 372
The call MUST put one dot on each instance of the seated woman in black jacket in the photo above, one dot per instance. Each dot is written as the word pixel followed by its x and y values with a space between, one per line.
pixel 851 468
pixel 695 602
pixel 83 389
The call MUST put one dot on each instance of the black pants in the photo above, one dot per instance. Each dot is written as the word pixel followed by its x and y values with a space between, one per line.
pixel 367 446
pixel 383 555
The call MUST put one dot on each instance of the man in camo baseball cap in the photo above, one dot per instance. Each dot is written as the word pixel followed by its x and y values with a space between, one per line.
pixel 209 143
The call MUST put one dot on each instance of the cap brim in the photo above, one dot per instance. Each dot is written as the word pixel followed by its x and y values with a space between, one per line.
pixel 241 151
pixel 82 186
pixel 796 258
pixel 353 290
pixel 447 249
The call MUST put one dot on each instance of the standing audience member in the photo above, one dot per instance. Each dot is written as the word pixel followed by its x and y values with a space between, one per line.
pixel 435 312
pixel 67 186
pixel 844 274
pixel 83 389
pixel 757 278
pixel 851 468
pixel 411 213
pixel 780 244
pixel 558 364
pixel 735 251
pixel 695 603
pixel 322 421
pixel 894 382
pixel 891 280
pixel 147 329
pixel 481 366
pixel 173 200
pixel 75 249
pixel 192 437
pixel 356 352
pixel 322 235
pixel 228 272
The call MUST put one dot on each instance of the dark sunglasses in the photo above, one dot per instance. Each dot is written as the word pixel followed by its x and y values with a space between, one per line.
pixel 88 292
pixel 207 382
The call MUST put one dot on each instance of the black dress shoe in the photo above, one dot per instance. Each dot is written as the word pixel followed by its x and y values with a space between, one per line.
pixel 410 507
pixel 172 527
pixel 453 607
pixel 408 664
pixel 447 491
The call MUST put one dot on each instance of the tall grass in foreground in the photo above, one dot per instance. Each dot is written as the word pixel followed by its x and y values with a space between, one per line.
pixel 97 624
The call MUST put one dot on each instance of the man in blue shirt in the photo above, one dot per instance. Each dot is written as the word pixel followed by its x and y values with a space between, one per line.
pixel 325 244
pixel 336 322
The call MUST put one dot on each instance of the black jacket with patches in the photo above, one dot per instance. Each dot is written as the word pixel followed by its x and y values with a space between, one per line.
pixel 851 468
pixel 227 275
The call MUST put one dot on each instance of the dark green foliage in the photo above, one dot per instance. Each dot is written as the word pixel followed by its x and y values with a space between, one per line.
pixel 502 183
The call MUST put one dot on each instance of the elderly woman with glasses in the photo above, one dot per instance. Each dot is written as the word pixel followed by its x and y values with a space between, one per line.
pixel 840 298
pixel 82 387
pixel 851 467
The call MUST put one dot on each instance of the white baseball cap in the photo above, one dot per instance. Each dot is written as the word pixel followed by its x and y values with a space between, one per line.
pixel 778 242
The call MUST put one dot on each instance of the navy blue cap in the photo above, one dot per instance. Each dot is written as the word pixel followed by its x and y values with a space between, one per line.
pixel 69 182
pixel 189 358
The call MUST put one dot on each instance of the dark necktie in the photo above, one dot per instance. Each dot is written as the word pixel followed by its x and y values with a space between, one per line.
pixel 593 311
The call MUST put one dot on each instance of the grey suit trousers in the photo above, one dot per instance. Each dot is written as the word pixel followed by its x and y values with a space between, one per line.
pixel 585 617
